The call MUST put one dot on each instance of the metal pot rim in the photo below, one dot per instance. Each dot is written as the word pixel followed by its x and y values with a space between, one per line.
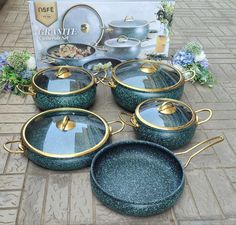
pixel 40 73
pixel 79 154
pixel 178 84
pixel 130 27
pixel 188 124
pixel 138 142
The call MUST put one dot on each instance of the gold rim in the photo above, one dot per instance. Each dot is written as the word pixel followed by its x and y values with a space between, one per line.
pixel 192 121
pixel 85 152
pixel 100 18
pixel 40 73
pixel 179 83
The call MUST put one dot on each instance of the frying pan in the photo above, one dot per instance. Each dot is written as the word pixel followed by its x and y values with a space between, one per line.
pixel 140 178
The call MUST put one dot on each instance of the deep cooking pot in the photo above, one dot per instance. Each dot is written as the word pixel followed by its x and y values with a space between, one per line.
pixel 62 86
pixel 129 27
pixel 140 178
pixel 167 122
pixel 134 81
pixel 64 138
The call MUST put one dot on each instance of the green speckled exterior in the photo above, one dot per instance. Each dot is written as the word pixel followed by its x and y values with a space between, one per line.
pixel 61 164
pixel 167 138
pixel 129 99
pixel 109 162
pixel 84 100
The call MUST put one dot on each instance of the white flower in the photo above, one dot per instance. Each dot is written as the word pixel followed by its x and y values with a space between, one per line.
pixel 200 57
pixel 31 63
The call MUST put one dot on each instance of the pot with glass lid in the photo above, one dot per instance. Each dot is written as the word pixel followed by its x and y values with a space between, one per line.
pixel 64 138
pixel 134 81
pixel 62 86
pixel 168 122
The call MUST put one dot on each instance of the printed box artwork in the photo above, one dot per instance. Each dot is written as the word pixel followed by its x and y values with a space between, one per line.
pixel 69 32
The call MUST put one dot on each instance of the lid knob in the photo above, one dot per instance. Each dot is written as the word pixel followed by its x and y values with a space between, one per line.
pixel 84 27
pixel 167 108
pixel 129 19
pixel 148 67
pixel 63 73
pixel 65 124
pixel 122 39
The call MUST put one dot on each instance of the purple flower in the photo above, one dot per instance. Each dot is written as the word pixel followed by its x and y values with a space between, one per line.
pixel 26 74
pixel 3 59
pixel 204 63
pixel 8 87
pixel 183 58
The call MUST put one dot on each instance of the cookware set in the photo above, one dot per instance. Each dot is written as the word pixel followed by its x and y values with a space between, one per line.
pixel 138 178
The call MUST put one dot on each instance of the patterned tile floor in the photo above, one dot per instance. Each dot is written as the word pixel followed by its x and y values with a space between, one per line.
pixel 31 195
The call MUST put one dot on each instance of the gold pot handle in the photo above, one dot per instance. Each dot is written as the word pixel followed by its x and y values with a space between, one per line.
pixel 148 67
pixel 214 141
pixel 132 123
pixel 129 19
pixel 20 147
pixel 119 130
pixel 100 79
pixel 208 118
pixel 108 82
pixel 193 75
pixel 29 91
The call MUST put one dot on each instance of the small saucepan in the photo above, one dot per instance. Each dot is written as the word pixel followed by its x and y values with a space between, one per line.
pixel 168 122
pixel 140 178
pixel 64 138
pixel 62 86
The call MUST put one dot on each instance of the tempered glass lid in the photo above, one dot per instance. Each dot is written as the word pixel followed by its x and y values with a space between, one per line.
pixel 122 42
pixel 87 23
pixel 63 79
pixel 65 132
pixel 144 74
pixel 165 113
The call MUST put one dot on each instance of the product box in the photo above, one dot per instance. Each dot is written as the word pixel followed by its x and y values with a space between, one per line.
pixel 72 32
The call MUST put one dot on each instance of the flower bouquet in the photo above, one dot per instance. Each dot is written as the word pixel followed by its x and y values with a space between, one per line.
pixel 16 68
pixel 193 57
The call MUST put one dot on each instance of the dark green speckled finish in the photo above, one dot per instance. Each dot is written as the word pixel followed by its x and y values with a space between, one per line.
pixel 167 138
pixel 129 99
pixel 82 100
pixel 137 178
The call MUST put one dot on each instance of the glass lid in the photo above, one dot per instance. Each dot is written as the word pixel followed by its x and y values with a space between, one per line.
pixel 147 75
pixel 63 80
pixel 122 41
pixel 166 114
pixel 65 132
pixel 128 21
pixel 87 23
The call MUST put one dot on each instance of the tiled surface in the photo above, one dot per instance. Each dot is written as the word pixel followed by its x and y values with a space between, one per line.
pixel 31 195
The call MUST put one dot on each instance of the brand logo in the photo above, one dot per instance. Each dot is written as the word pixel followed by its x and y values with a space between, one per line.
pixel 46 12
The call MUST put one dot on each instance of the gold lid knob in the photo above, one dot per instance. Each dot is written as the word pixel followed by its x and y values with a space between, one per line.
pixel 63 73
pixel 65 124
pixel 167 108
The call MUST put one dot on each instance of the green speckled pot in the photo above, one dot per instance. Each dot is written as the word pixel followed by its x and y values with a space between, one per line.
pixel 129 99
pixel 173 130
pixel 137 178
pixel 82 100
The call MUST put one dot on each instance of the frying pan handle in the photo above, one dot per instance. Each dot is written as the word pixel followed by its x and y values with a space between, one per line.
pixel 29 91
pixel 119 130
pixel 208 118
pixel 20 147
pixel 213 141
pixel 192 77
pixel 132 121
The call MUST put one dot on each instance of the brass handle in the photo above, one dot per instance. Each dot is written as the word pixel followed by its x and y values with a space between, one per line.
pixel 63 72
pixel 108 82
pixel 20 147
pixel 148 67
pixel 215 140
pixel 167 108
pixel 132 123
pixel 208 118
pixel 65 124
pixel 98 79
pixel 122 39
pixel 30 90
pixel 119 130
pixel 192 77
pixel 129 19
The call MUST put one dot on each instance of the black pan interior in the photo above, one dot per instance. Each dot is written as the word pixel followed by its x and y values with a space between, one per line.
pixel 137 172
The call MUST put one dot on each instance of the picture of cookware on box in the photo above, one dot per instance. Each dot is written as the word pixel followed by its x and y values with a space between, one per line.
pixel 96 35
